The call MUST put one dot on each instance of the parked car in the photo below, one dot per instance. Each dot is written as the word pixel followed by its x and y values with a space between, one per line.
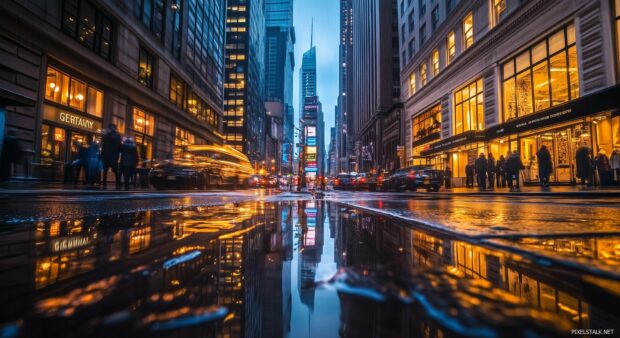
pixel 416 177
pixel 370 181
pixel 258 181
pixel 344 182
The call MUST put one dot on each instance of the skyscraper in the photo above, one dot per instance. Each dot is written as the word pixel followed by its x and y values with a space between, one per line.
pixel 307 76
pixel 279 66
pixel 375 84
pixel 344 121
pixel 244 110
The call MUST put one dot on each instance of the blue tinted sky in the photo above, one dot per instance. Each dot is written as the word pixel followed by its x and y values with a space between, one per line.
pixel 326 15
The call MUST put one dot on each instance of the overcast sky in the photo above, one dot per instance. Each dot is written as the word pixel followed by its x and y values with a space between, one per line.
pixel 326 15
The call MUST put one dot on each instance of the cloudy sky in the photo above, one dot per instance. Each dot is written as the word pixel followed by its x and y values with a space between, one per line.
pixel 326 14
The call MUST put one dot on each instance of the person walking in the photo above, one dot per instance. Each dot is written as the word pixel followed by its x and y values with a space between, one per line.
pixel 545 166
pixel 129 162
pixel 615 165
pixel 514 165
pixel 469 174
pixel 603 167
pixel 481 172
pixel 447 178
pixel 500 172
pixel 9 155
pixel 110 150
pixel 92 163
pixel 491 170
pixel 584 165
pixel 78 165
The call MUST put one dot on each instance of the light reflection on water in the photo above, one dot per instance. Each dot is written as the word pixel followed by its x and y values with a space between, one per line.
pixel 286 269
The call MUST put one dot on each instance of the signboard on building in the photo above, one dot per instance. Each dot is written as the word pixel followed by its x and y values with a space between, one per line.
pixel 71 119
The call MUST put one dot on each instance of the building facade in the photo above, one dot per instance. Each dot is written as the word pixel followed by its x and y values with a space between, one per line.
pixel 279 67
pixel 375 84
pixel 244 110
pixel 502 76
pixel 153 68
pixel 344 119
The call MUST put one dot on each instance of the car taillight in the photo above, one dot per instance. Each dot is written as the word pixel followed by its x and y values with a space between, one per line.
pixel 380 179
pixel 363 180
pixel 411 174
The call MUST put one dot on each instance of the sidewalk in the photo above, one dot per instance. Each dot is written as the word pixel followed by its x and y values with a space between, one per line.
pixel 560 191
pixel 43 188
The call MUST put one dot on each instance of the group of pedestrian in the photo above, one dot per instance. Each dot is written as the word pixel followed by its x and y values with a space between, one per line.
pixel 493 173
pixel 121 157
pixel 601 170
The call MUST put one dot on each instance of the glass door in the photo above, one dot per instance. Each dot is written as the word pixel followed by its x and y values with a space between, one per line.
pixel 563 161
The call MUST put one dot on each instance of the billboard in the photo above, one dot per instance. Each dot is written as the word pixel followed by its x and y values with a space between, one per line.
pixel 310 131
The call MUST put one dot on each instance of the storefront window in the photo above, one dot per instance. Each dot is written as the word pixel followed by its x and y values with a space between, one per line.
pixel 144 129
pixel 182 138
pixel 544 75
pixel 469 108
pixel 427 123
pixel 65 90
pixel 52 144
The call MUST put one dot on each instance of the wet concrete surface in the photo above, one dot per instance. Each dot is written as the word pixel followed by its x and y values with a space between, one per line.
pixel 257 264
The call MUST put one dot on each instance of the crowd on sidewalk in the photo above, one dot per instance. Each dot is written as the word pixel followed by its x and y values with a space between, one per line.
pixel 490 173
pixel 91 163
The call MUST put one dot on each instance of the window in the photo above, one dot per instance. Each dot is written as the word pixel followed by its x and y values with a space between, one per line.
pixel 617 8
pixel 427 123
pixel 411 22
pixel 468 30
pixel 177 91
pixel 542 76
pixel 422 74
pixel 88 26
pixel 412 84
pixel 435 62
pixel 402 7
pixel 434 18
pixel 499 10
pixel 422 6
pixel 182 138
pixel 449 6
pixel 404 59
pixel 450 47
pixel 145 68
pixel 71 92
pixel 151 14
pixel 411 47
pixel 469 108
pixel 175 46
pixel 144 129
pixel 403 34
pixel 422 34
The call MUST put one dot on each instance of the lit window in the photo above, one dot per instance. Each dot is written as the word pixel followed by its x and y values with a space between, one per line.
pixel 542 76
pixel 423 74
pixel 469 108
pixel 435 62
pixel 427 123
pixel 499 9
pixel 145 68
pixel 143 122
pixel 412 84
pixel 450 47
pixel 94 104
pixel 468 30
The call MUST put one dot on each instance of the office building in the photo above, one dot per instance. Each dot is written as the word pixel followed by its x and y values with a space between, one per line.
pixel 344 118
pixel 244 110
pixel 153 68
pixel 375 85
pixel 503 76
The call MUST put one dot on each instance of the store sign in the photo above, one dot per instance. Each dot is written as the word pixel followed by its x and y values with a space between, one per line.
pixel 71 119
pixel 69 243
pixel 310 131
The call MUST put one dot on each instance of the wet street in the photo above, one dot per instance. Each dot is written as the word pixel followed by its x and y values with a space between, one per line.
pixel 261 264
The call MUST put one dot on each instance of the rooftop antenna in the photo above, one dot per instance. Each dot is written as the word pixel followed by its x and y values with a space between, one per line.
pixel 311 33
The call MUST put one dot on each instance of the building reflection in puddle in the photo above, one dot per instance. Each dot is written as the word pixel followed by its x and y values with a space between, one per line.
pixel 265 269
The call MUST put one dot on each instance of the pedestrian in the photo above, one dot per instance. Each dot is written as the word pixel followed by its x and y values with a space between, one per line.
pixel 514 165
pixel 78 164
pixel 603 167
pixel 448 178
pixel 110 149
pixel 491 170
pixel 481 172
pixel 545 166
pixel 129 161
pixel 9 155
pixel 92 164
pixel 469 173
pixel 500 172
pixel 584 165
pixel 615 165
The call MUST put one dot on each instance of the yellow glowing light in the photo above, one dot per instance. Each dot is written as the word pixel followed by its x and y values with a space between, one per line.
pixel 52 85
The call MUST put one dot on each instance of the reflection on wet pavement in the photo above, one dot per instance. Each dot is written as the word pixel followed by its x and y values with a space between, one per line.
pixel 289 269
pixel 479 216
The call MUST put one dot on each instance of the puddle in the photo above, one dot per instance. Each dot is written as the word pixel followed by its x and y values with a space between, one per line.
pixel 289 269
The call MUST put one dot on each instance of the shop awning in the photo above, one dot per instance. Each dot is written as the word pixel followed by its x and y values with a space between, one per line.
pixel 604 100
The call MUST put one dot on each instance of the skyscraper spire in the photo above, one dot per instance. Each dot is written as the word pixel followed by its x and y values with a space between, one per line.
pixel 311 33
